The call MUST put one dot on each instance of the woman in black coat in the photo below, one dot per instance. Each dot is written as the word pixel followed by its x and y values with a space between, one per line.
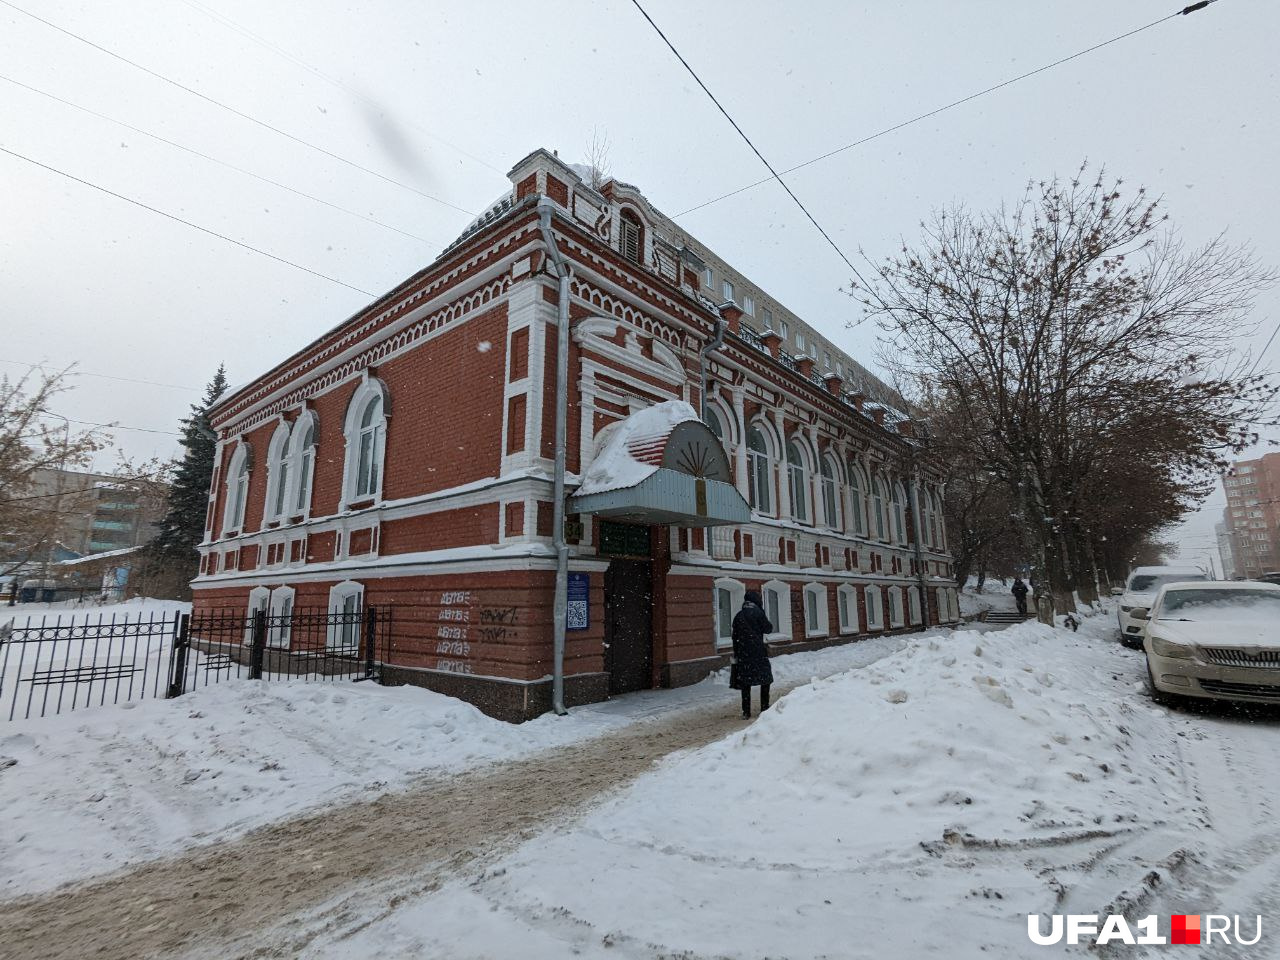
pixel 750 654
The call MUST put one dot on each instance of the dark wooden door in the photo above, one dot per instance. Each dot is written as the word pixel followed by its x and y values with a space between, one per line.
pixel 628 633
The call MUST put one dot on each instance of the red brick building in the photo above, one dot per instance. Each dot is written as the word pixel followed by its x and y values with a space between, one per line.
pixel 406 458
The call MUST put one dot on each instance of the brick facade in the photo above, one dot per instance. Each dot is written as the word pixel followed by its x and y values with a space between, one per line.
pixel 427 488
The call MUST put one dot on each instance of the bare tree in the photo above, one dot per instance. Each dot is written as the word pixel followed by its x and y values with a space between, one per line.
pixel 1067 333
pixel 31 450
pixel 598 158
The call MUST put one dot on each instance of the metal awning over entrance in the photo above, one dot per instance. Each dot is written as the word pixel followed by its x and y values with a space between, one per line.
pixel 661 465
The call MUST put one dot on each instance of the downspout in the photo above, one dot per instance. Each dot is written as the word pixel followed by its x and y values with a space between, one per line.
pixel 560 603
pixel 714 344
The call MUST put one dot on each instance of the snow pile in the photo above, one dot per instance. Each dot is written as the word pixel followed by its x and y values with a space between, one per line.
pixel 921 806
pixel 616 467
pixel 92 790
pixel 993 596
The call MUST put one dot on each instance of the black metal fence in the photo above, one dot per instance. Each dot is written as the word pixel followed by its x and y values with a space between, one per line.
pixel 62 663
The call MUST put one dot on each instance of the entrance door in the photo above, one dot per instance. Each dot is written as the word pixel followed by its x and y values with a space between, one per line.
pixel 628 634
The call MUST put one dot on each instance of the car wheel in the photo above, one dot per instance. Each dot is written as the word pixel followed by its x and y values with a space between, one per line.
pixel 1157 695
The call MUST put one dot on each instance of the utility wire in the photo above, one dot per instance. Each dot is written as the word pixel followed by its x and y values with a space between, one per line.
pixel 194 226
pixel 334 81
pixel 954 103
pixel 223 163
pixel 238 113
pixel 120 426
pixel 71 372
pixel 1263 353
pixel 803 209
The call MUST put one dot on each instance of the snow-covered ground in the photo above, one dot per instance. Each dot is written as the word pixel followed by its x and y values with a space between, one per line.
pixel 142 780
pixel 994 596
pixel 922 806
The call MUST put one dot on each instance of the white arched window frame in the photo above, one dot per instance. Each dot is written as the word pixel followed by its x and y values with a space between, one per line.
pixel 776 595
pixel 815 610
pixel 728 596
pixel 955 602
pixel 302 448
pixel 898 503
pixel 259 600
pixel 895 607
pixel 878 508
pixel 798 475
pixel 913 604
pixel 237 489
pixel 280 612
pixel 860 488
pixel 760 475
pixel 875 608
pixel 365 429
pixel 944 605
pixel 847 607
pixel 831 492
pixel 346 603
pixel 277 505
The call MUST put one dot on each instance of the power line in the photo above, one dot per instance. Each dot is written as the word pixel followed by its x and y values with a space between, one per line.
pixel 238 113
pixel 103 376
pixel 316 71
pixel 195 226
pixel 224 163
pixel 1264 350
pixel 734 124
pixel 120 426
pixel 954 103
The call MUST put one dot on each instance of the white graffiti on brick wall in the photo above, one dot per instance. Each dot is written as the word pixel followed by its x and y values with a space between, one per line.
pixel 452 631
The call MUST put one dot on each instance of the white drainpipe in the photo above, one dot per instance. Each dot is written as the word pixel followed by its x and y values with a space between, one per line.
pixel 560 607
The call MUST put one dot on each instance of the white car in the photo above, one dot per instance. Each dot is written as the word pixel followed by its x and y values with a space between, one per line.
pixel 1217 639
pixel 1140 593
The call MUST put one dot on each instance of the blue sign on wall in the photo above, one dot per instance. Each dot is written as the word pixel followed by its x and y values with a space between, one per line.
pixel 578 616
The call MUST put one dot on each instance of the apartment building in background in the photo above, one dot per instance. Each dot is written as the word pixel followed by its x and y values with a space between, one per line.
pixel 1253 515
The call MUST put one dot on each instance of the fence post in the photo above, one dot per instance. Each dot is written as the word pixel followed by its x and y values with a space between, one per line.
pixel 178 662
pixel 258 649
pixel 370 637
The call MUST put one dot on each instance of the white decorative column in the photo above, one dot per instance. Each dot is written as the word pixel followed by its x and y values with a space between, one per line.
pixel 740 454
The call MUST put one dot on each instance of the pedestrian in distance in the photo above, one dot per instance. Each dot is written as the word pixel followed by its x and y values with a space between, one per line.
pixel 750 665
pixel 1019 591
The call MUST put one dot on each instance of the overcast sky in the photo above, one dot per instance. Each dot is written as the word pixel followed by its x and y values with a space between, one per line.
pixel 444 97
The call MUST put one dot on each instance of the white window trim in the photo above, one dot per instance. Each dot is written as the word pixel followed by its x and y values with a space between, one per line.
pixel 368 390
pixel 299 494
pixel 771 460
pixel 915 611
pixel 873 596
pixel 277 463
pixel 737 593
pixel 850 595
pixel 821 625
pixel 280 635
pixel 833 484
pixel 896 604
pixel 338 593
pixel 259 599
pixel 239 471
pixel 781 629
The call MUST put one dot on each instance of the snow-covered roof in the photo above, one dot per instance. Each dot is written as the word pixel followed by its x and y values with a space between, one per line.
pixel 633 448
pixel 105 555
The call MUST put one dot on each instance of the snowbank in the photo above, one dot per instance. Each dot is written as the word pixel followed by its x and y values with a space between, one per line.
pixel 922 806
pixel 994 596
pixel 142 780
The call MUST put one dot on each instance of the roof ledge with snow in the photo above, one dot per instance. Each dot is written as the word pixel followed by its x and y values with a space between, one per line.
pixel 661 465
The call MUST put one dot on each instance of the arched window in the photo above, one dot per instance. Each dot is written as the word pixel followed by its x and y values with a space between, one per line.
pixel 830 493
pixel 899 513
pixel 913 603
pixel 303 452
pixel 760 474
pixel 799 484
pixel 346 601
pixel 278 473
pixel 858 484
pixel 815 610
pixel 895 607
pixel 878 507
pixel 715 423
pixel 728 594
pixel 630 236
pixel 776 595
pixel 875 611
pixel 366 433
pixel 237 489
pixel 939 538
